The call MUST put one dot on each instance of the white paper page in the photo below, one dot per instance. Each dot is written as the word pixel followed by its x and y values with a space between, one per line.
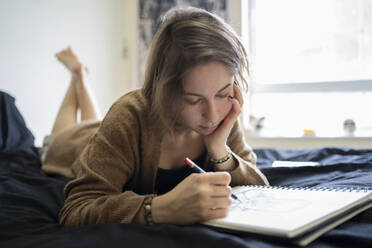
pixel 281 211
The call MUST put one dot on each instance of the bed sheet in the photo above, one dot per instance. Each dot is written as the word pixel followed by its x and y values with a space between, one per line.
pixel 30 200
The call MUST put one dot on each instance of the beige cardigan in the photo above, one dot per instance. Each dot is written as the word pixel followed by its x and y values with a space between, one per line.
pixel 118 167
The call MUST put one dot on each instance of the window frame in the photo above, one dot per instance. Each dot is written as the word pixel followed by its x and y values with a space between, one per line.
pixel 248 32
pixel 244 25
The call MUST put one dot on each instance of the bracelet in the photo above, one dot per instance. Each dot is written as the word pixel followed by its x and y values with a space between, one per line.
pixel 222 160
pixel 147 210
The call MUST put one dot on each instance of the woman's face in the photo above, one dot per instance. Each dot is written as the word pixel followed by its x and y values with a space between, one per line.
pixel 207 88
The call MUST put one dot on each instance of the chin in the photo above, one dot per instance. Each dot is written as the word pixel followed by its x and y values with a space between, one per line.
pixel 207 133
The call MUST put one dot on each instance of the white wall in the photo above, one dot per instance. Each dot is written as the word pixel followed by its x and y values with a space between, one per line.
pixel 32 31
pixel 104 35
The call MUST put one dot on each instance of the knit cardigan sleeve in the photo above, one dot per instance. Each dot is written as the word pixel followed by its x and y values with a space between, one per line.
pixel 106 164
pixel 246 172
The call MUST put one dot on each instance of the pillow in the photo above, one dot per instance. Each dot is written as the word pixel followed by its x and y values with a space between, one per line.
pixel 15 137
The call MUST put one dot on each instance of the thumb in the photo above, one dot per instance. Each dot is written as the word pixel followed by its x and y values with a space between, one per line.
pixel 230 119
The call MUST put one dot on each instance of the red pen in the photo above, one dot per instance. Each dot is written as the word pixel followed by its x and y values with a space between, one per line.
pixel 196 169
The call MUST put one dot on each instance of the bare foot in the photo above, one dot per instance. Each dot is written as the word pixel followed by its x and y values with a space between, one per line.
pixel 70 60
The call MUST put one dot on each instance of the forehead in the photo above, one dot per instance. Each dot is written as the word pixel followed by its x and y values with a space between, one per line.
pixel 209 77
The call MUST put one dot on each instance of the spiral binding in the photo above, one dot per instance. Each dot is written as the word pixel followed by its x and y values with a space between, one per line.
pixel 316 188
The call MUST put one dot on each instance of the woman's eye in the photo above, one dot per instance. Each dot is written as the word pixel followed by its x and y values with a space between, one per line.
pixel 193 102
pixel 223 96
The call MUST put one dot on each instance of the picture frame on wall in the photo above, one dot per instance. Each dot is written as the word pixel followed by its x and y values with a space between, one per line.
pixel 149 19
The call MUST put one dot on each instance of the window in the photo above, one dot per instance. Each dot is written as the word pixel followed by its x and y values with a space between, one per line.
pixel 311 65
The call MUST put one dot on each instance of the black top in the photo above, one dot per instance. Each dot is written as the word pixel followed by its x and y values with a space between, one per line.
pixel 166 179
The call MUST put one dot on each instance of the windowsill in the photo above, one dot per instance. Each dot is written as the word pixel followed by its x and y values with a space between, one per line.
pixel 309 142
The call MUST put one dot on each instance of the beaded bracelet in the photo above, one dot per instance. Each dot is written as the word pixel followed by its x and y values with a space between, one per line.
pixel 222 160
pixel 147 210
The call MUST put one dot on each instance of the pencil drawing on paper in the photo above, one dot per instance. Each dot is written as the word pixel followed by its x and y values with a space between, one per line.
pixel 266 201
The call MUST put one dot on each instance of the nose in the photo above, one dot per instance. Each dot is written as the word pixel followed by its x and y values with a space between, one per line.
pixel 210 112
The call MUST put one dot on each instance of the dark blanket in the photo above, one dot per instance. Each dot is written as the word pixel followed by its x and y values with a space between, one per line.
pixel 30 200
pixel 15 137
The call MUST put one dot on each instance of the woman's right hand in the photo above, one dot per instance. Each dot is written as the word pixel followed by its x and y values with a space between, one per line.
pixel 199 197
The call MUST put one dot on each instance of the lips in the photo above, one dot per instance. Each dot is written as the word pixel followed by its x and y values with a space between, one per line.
pixel 209 129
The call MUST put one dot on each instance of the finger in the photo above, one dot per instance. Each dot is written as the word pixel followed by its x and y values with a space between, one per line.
pixel 221 191
pixel 216 213
pixel 238 94
pixel 221 202
pixel 230 119
pixel 236 107
pixel 218 178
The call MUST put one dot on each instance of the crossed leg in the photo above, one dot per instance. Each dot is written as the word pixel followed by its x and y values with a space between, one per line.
pixel 77 96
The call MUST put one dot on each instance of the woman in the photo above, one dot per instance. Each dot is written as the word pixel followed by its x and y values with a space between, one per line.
pixel 132 169
pixel 69 135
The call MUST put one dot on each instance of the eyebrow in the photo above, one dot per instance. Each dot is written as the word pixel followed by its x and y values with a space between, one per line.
pixel 226 86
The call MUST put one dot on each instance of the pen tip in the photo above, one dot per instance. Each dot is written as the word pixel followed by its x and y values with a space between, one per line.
pixel 236 198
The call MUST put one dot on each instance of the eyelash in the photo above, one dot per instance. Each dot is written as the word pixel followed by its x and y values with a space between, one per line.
pixel 223 96
pixel 195 102
pixel 199 100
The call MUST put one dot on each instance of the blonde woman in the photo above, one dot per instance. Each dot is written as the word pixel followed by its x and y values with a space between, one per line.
pixel 132 169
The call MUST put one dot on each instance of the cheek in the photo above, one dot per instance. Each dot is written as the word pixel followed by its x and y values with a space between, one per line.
pixel 189 116
pixel 224 108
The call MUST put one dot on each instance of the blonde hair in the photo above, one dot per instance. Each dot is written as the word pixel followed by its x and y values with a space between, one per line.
pixel 185 39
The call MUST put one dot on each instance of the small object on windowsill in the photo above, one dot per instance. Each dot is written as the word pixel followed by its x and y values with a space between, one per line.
pixel 260 123
pixel 349 127
pixel 309 133
pixel 256 124
pixel 279 163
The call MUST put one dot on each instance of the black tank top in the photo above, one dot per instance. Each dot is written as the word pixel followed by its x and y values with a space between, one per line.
pixel 166 179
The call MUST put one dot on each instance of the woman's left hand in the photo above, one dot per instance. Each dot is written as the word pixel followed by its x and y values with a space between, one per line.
pixel 216 142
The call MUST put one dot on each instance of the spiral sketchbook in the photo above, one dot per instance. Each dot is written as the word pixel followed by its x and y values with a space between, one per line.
pixel 298 214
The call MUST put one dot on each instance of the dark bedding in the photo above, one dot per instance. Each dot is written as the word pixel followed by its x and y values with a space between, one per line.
pixel 30 199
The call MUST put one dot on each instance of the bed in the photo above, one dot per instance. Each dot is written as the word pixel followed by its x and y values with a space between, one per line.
pixel 30 199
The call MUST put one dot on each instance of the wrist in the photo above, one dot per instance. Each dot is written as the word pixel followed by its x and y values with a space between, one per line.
pixel 217 154
pixel 222 158
pixel 159 209
pixel 229 165
pixel 147 210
